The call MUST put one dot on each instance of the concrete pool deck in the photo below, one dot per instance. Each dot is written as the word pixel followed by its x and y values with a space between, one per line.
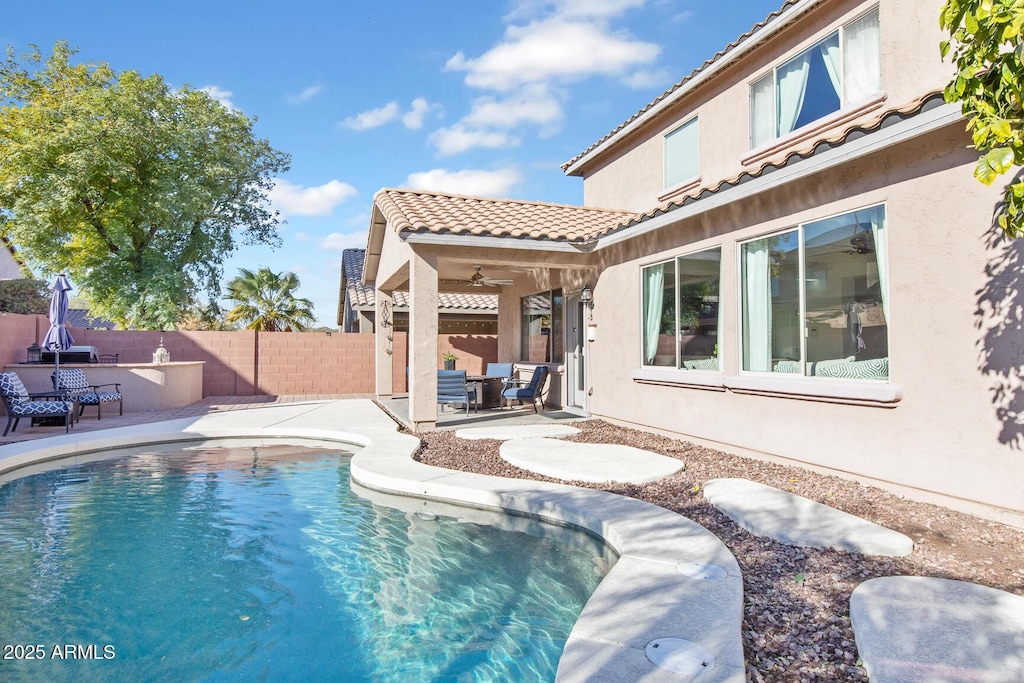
pixel 674 595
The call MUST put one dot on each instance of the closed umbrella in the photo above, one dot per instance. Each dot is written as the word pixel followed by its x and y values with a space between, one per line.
pixel 58 338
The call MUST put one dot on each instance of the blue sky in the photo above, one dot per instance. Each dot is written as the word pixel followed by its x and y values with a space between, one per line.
pixel 471 96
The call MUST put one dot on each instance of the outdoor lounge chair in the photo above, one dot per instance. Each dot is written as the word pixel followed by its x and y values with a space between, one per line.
pixel 527 392
pixel 74 382
pixel 20 403
pixel 452 388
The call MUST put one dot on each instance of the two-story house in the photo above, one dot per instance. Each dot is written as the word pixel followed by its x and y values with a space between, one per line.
pixel 785 255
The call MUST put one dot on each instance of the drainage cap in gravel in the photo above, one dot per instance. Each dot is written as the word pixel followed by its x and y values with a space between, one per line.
pixel 679 656
pixel 701 571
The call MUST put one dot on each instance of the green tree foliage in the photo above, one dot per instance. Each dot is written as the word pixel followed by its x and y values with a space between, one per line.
pixel 985 39
pixel 135 190
pixel 266 301
pixel 24 296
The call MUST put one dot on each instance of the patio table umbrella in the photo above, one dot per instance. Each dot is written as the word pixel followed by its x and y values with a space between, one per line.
pixel 58 338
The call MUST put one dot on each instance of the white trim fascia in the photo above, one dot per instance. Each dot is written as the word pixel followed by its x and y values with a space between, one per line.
pixel 817 388
pixel 787 16
pixel 496 242
pixel 917 125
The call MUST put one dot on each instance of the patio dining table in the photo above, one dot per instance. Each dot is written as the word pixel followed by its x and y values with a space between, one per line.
pixel 488 394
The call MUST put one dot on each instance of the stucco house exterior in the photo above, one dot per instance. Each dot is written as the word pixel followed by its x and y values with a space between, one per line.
pixel 789 258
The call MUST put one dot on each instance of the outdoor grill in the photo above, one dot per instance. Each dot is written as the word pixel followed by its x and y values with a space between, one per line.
pixel 75 354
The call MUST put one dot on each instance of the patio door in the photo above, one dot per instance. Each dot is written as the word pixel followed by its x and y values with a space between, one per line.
pixel 576 352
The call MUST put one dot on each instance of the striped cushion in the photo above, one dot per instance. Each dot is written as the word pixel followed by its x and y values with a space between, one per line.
pixel 12 388
pixel 35 408
pixel 788 366
pixel 876 368
pixel 701 364
pixel 818 365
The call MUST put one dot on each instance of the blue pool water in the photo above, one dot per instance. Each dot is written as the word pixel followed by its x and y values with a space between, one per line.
pixel 262 565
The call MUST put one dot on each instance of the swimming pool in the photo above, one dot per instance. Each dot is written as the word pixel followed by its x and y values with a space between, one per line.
pixel 250 564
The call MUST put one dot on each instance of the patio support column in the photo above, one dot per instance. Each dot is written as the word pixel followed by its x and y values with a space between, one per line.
pixel 384 344
pixel 423 342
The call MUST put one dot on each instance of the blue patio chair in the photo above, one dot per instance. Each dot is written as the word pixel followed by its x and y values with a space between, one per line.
pixel 78 388
pixel 452 388
pixel 503 370
pixel 527 391
pixel 20 403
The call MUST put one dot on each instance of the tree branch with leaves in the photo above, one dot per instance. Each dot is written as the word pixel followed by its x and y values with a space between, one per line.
pixel 985 43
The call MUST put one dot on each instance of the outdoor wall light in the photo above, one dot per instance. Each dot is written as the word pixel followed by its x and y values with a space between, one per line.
pixel 35 353
pixel 587 297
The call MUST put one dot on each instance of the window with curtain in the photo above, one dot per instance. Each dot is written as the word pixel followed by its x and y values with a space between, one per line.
pixel 542 329
pixel 839 71
pixel 814 299
pixel 680 311
pixel 681 154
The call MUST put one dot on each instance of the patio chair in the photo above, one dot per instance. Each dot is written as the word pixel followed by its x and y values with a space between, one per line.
pixel 74 382
pixel 452 388
pixel 20 403
pixel 518 389
pixel 503 370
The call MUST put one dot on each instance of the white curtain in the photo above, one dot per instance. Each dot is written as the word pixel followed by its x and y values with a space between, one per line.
pixel 762 111
pixel 757 307
pixel 830 55
pixel 654 299
pixel 862 61
pixel 792 86
pixel 881 257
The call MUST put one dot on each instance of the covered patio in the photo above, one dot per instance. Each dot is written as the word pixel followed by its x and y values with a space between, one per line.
pixel 425 243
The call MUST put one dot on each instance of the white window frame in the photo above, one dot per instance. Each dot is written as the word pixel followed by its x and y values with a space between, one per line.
pixel 844 101
pixel 695 154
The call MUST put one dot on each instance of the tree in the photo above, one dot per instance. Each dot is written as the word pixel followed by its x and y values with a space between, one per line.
pixel 985 38
pixel 138 192
pixel 266 301
pixel 24 296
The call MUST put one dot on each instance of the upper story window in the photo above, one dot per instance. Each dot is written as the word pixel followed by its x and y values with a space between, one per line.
pixel 681 154
pixel 680 311
pixel 841 70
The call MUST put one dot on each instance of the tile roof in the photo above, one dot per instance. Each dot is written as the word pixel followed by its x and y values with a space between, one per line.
pixel 437 212
pixel 79 317
pixel 363 297
pixel 754 31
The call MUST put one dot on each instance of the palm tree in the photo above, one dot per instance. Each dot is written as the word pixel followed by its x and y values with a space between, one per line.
pixel 266 301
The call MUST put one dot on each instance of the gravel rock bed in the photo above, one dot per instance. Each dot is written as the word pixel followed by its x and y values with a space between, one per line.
pixel 796 618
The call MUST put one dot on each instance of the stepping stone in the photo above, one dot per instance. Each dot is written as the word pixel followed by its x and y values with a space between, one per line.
pixel 795 520
pixel 913 629
pixel 595 462
pixel 516 432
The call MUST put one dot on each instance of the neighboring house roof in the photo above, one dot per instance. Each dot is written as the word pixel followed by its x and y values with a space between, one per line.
pixel 440 213
pixel 79 317
pixel 12 266
pixel 759 32
pixel 363 298
pixel 419 211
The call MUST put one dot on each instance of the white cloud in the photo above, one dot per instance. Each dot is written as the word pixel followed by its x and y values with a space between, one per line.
pixel 372 118
pixel 467 181
pixel 296 200
pixel 414 117
pixel 459 138
pixel 532 104
pixel 306 95
pixel 642 80
pixel 338 241
pixel 220 94
pixel 554 49
pixel 526 9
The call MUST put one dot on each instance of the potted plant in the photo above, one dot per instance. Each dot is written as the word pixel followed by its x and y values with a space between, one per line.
pixel 449 360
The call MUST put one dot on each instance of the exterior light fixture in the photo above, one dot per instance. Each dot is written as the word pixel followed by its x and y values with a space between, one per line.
pixel 35 353
pixel 587 297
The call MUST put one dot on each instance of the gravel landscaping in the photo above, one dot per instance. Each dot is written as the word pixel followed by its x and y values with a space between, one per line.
pixel 796 620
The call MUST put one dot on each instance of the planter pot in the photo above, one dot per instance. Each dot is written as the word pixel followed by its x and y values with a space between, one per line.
pixel 449 365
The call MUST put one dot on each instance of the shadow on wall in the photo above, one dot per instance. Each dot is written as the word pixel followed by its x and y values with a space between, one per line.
pixel 999 319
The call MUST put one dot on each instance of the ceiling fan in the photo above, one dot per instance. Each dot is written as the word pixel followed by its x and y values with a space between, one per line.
pixel 480 280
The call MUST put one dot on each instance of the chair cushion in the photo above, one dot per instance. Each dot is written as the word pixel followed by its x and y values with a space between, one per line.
pixel 73 381
pixel 93 398
pixel 12 388
pixel 33 408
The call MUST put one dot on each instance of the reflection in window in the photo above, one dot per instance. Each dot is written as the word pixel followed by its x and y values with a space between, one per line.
pixel 836 323
pixel 681 154
pixel 818 81
pixel 542 328
pixel 680 315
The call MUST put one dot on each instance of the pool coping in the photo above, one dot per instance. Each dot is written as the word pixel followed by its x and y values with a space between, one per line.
pixel 648 594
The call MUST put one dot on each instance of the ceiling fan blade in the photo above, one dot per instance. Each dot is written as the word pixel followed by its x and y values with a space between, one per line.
pixel 495 283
